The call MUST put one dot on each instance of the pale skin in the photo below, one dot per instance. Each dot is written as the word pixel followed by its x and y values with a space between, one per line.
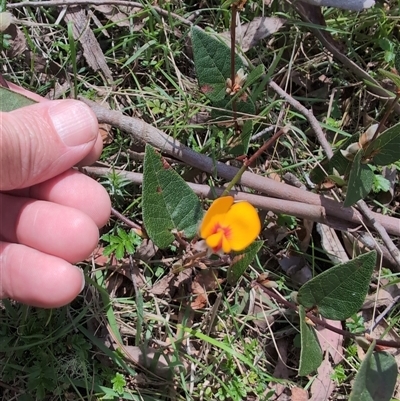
pixel 49 213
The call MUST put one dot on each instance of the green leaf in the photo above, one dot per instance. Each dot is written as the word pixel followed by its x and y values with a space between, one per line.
pixel 337 162
pixel 360 181
pixel 397 60
pixel 10 100
pixel 339 181
pixel 386 148
pixel 119 383
pixel 168 202
pixel 212 61
pixel 393 77
pixel 340 291
pixel 241 262
pixel 254 75
pixel 376 378
pixel 311 353
pixel 380 184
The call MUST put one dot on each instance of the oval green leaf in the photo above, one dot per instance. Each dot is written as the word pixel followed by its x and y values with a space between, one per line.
pixel 311 353
pixel 241 262
pixel 340 291
pixel 10 100
pixel 168 202
pixel 386 148
pixel 212 61
pixel 361 180
pixel 376 378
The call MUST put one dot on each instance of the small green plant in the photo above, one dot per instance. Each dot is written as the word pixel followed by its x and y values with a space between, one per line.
pixel 121 244
pixel 115 185
pixel 355 324
pixel 339 374
pixel 119 383
pixel 380 184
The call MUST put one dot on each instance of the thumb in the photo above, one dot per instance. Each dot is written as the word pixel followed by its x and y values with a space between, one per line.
pixel 41 141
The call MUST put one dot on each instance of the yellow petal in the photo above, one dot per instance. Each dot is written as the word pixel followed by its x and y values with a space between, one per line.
pixel 214 241
pixel 244 224
pixel 215 214
pixel 226 246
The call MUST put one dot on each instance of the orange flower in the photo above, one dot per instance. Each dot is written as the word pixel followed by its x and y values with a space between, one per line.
pixel 229 226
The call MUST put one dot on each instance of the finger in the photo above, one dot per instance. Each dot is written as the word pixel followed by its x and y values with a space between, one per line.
pixel 37 279
pixel 43 140
pixel 78 191
pixel 93 155
pixel 50 228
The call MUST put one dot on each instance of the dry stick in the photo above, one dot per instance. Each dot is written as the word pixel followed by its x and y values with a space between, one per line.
pixel 128 222
pixel 256 155
pixel 370 217
pixel 307 114
pixel 363 207
pixel 309 212
pixel 147 134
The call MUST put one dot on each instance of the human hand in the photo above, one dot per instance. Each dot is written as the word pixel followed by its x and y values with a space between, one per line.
pixel 49 213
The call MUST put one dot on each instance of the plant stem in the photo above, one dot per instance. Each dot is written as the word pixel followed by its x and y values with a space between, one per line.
pixel 3 8
pixel 248 162
pixel 233 67
pixel 279 298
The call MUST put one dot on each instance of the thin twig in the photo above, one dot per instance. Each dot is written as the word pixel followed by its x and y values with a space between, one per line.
pixel 233 54
pixel 363 207
pixel 307 114
pixel 251 160
pixel 128 222
pixel 280 299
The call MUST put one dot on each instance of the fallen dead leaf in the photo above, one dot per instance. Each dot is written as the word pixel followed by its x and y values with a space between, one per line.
pixel 152 359
pixel 323 386
pixel 332 345
pixel 331 244
pixel 296 268
pixel 17 41
pixel 299 394
pixel 120 15
pixel 82 33
pixel 106 133
pixel 146 250
pixel 248 35
pixel 259 307
pixel 281 370
pixel 170 283
pixel 383 298
pixel 204 282
pixel 330 341
pixel 304 234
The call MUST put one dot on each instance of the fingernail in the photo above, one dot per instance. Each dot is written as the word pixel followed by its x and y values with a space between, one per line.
pixel 83 278
pixel 74 122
